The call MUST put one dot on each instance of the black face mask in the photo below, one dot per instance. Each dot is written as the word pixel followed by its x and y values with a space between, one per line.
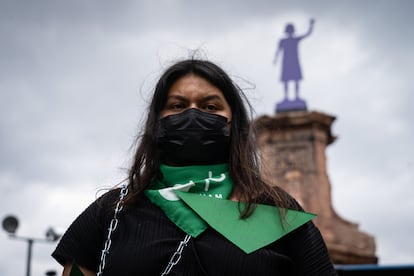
pixel 193 137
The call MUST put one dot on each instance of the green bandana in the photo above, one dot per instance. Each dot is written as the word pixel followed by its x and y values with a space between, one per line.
pixel 195 196
pixel 75 271
pixel 263 227
pixel 211 181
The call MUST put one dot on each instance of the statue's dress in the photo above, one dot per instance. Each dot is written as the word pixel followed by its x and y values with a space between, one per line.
pixel 290 65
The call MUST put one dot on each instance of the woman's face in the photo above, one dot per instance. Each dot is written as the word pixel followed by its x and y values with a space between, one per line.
pixel 192 91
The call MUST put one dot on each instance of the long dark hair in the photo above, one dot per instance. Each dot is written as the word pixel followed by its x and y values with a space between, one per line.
pixel 243 159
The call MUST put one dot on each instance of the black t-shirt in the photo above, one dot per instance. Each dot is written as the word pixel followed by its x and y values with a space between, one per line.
pixel 145 239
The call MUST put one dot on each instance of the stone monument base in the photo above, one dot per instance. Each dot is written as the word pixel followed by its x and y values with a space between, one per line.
pixel 292 146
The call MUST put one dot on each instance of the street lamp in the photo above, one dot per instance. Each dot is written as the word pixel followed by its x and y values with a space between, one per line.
pixel 10 224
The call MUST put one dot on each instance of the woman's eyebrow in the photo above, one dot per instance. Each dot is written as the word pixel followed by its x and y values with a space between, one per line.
pixel 212 97
pixel 176 97
pixel 203 98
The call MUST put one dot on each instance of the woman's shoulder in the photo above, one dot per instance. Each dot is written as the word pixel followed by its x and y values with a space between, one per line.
pixel 116 198
pixel 109 197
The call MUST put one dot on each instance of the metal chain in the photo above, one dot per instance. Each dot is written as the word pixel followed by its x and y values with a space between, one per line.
pixel 112 226
pixel 176 257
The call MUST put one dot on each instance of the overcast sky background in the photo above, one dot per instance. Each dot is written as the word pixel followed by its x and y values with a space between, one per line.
pixel 75 78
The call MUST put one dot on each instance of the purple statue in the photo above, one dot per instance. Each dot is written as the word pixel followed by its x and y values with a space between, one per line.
pixel 291 70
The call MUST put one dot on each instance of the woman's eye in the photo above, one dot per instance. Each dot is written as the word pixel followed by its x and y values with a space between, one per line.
pixel 210 107
pixel 177 106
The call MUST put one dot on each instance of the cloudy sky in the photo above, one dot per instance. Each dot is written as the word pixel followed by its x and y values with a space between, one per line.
pixel 75 78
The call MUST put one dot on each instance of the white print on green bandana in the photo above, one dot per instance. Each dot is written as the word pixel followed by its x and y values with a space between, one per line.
pixel 169 193
pixel 209 181
pixel 210 177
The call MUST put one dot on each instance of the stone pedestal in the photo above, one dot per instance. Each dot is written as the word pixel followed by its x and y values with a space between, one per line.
pixel 293 147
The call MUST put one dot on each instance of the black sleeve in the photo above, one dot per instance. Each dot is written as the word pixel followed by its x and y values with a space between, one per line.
pixel 308 251
pixel 306 247
pixel 84 239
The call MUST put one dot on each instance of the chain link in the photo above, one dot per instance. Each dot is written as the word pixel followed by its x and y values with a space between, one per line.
pixel 176 257
pixel 112 226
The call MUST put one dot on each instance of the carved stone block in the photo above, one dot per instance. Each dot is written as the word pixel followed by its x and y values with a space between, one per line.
pixel 292 146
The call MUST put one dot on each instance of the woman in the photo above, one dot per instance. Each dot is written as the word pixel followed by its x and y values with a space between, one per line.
pixel 196 150
pixel 291 69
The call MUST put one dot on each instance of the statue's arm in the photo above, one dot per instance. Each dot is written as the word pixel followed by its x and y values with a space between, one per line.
pixel 277 53
pixel 311 23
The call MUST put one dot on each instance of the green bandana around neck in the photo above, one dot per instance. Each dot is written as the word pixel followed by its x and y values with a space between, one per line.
pixel 194 197
pixel 206 180
pixel 261 228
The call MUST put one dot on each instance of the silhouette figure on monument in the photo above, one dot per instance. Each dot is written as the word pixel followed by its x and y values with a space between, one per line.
pixel 291 70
